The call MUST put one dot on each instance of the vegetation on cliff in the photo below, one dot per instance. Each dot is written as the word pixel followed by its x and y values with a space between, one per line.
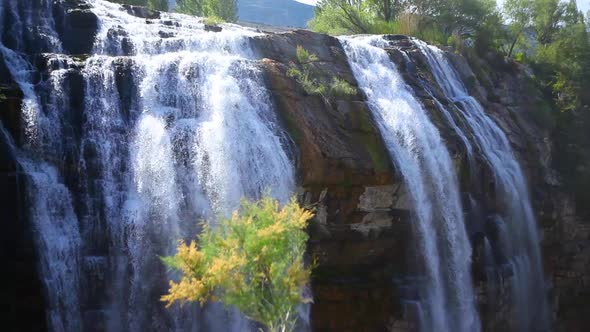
pixel 253 261
pixel 310 78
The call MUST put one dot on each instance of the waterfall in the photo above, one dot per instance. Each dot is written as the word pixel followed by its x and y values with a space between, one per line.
pixel 165 124
pixel 198 133
pixel 58 241
pixel 520 240
pixel 425 164
pixel 175 125
pixel 55 224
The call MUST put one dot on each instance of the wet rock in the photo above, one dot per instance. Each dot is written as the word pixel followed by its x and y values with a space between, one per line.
pixel 346 172
pixel 80 27
pixel 142 12
pixel 362 232
pixel 377 198
pixel 395 37
pixel 10 103
pixel 22 292
pixel 164 34
pixel 213 28
pixel 125 81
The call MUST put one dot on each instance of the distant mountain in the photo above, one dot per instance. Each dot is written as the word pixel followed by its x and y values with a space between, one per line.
pixel 283 13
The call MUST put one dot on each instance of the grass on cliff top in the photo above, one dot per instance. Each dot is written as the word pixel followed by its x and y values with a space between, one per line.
pixel 312 81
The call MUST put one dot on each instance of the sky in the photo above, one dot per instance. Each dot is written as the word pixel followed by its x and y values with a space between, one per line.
pixel 583 5
pixel 308 2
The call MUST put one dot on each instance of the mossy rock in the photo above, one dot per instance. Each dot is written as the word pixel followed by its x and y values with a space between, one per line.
pixel 366 133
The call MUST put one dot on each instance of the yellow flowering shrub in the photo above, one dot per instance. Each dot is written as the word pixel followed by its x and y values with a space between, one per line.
pixel 253 261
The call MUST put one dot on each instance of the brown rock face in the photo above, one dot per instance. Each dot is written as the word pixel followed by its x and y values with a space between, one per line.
pixel 361 236
pixel 358 236
pixel 517 105
pixel 339 144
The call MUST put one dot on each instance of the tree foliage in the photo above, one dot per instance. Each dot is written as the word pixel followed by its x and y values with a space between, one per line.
pixel 224 9
pixel 560 53
pixel 253 261
pixel 432 20
pixel 552 37
pixel 190 7
pixel 313 82
pixel 520 14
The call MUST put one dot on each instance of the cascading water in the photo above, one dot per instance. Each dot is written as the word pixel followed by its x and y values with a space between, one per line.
pixel 203 136
pixel 165 123
pixel 176 125
pixel 520 239
pixel 56 229
pixel 416 146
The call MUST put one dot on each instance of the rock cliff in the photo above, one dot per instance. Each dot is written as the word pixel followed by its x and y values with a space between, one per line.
pixel 362 233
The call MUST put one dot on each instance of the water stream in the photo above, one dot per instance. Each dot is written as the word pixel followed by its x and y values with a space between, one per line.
pixel 425 164
pixel 520 240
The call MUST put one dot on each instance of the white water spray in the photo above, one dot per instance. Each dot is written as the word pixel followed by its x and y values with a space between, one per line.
pixel 422 158
pixel 195 134
pixel 520 241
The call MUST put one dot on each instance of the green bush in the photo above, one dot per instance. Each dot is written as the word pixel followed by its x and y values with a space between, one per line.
pixel 304 77
pixel 341 88
pixel 220 10
pixel 253 261
pixel 304 57
pixel 308 77
pixel 309 85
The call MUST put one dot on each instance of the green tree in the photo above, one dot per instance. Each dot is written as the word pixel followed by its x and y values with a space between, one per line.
pixel 564 64
pixel 547 17
pixel 253 261
pixel 453 14
pixel 520 16
pixel 342 16
pixel 190 7
pixel 433 20
pixel 224 9
pixel 386 10
pixel 560 58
